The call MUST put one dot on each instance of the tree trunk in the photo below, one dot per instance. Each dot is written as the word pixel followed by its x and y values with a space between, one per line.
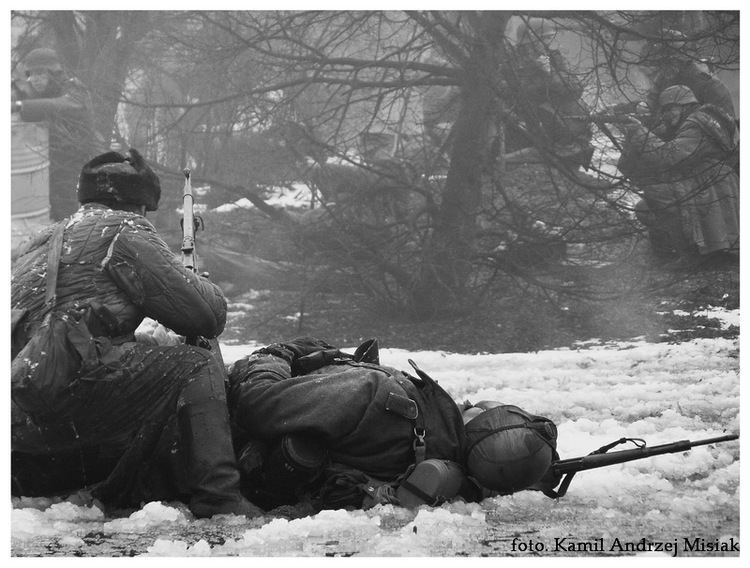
pixel 442 285
pixel 99 53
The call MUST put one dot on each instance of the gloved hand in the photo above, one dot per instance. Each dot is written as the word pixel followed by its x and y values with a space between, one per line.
pixel 299 347
pixel 343 487
pixel 642 109
pixel 634 130
pixel 316 360
pixel 544 62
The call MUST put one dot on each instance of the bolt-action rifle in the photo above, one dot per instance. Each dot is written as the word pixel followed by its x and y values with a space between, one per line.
pixel 613 118
pixel 600 458
pixel 191 223
pixel 603 120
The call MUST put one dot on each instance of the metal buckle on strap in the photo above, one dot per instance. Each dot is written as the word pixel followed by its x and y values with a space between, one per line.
pixel 419 434
pixel 420 448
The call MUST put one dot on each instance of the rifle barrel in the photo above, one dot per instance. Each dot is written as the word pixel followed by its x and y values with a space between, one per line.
pixel 593 461
pixel 188 223
pixel 612 118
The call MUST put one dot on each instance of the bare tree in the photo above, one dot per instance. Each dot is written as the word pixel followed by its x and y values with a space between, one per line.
pixel 429 205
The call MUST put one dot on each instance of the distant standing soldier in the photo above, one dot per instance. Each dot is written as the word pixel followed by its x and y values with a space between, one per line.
pixel 548 97
pixel 64 103
pixel 690 187
pixel 137 421
pixel 666 63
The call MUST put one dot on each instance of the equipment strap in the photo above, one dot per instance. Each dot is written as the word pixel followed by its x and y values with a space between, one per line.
pixel 420 432
pixel 53 263
pixel 543 428
pixel 411 488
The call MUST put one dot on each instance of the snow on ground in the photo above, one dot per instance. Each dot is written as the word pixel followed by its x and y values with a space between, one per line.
pixel 659 392
pixel 296 195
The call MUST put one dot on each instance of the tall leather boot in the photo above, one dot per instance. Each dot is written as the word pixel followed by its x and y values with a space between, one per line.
pixel 213 477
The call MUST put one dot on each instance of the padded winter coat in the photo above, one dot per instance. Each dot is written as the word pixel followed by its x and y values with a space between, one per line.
pixel 115 261
pixel 365 414
pixel 550 95
pixel 707 88
pixel 114 420
pixel 696 163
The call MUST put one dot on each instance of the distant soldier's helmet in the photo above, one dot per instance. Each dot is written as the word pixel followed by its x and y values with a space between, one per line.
pixel 42 58
pixel 508 449
pixel 121 178
pixel 534 31
pixel 677 95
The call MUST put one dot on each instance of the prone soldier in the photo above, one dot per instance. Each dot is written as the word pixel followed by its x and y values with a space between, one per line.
pixel 318 428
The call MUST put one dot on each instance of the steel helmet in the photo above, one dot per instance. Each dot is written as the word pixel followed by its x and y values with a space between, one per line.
pixel 42 58
pixel 120 178
pixel 508 449
pixel 677 95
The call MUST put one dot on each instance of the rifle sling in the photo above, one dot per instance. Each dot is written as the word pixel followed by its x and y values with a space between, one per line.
pixel 565 483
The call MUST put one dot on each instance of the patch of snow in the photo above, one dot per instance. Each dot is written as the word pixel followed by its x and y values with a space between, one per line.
pixel 234 313
pixel 659 392
pixel 152 514
pixel 726 317
pixel 243 203
pixel 295 196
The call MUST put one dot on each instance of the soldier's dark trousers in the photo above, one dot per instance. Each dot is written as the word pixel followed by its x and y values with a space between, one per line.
pixel 152 426
pixel 660 213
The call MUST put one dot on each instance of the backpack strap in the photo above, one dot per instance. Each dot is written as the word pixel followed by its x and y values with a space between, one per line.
pixel 420 430
pixel 417 418
pixel 427 498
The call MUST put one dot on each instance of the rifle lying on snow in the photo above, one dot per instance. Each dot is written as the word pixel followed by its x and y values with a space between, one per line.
pixel 191 223
pixel 600 458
